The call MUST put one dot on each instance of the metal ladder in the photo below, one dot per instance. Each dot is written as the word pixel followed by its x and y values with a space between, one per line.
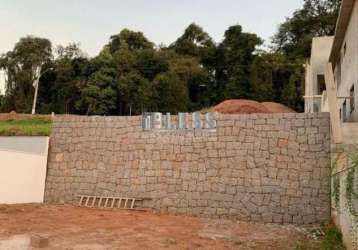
pixel 107 202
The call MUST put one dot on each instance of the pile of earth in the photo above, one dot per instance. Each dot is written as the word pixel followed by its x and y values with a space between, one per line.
pixel 250 107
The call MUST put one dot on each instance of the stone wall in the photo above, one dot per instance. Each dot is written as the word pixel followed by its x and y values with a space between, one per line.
pixel 264 167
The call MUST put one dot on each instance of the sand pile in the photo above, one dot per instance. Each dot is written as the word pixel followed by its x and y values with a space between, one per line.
pixel 250 107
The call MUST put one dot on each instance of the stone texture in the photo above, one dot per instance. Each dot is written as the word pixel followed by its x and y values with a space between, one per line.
pixel 261 167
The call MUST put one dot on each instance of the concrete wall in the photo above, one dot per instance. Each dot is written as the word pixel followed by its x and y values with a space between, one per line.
pixel 349 64
pixel 23 162
pixel 264 167
pixel 344 213
pixel 321 49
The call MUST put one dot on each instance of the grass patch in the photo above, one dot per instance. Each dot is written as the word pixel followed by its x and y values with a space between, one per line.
pixel 330 240
pixel 26 127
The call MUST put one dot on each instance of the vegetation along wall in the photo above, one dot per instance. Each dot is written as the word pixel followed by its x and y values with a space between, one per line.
pixel 345 191
pixel 262 167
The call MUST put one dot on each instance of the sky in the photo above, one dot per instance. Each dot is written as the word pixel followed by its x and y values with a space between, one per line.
pixel 92 22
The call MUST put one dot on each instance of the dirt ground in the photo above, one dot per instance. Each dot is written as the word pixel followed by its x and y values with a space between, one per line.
pixel 73 228
pixel 16 116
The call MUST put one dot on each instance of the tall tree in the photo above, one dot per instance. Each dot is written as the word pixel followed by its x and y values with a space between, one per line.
pixel 316 18
pixel 150 63
pixel 196 42
pixel 61 84
pixel 20 66
pixel 262 77
pixel 274 77
pixel 195 77
pixel 135 93
pixel 292 91
pixel 170 93
pixel 234 57
pixel 98 96
pixel 130 40
pixel 98 90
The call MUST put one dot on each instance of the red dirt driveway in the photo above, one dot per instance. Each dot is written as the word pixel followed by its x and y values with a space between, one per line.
pixel 73 228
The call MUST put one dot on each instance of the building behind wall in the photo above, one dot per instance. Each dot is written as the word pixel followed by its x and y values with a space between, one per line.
pixel 335 63
pixel 342 51
pixel 344 59
pixel 315 67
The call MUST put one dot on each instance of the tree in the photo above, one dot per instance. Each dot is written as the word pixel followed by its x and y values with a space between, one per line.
pixel 197 43
pixel 234 57
pixel 20 66
pixel 130 40
pixel 316 18
pixel 2 98
pixel 262 77
pixel 71 51
pixel 98 96
pixel 274 77
pixel 124 60
pixel 170 93
pixel 132 75
pixel 292 91
pixel 62 80
pixel 150 63
pixel 135 93
pixel 195 77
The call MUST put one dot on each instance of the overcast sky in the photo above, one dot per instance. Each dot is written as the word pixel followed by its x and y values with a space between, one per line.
pixel 92 22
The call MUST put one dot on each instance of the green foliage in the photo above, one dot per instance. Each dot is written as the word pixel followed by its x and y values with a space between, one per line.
pixel 193 76
pixel 235 55
pixel 171 93
pixel 98 96
pixel 262 76
pixel 131 75
pixel 20 65
pixel 274 77
pixel 352 185
pixel 62 80
pixel 336 191
pixel 332 239
pixel 2 100
pixel 130 40
pixel 25 127
pixel 316 18
pixel 290 93
pixel 70 51
pixel 197 43
pixel 150 63
pixel 135 93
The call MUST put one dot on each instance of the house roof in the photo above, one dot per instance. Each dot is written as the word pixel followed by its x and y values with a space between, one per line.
pixel 341 28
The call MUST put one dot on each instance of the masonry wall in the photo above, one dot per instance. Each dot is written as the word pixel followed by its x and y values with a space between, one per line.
pixel 264 167
pixel 345 205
